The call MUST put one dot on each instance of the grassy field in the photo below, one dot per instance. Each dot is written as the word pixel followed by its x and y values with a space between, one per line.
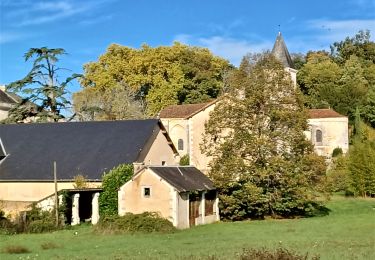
pixel 348 232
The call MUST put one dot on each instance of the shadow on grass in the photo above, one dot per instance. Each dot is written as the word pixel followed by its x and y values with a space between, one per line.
pixel 16 249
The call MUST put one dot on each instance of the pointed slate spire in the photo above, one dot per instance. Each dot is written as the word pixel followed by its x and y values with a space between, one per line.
pixel 280 51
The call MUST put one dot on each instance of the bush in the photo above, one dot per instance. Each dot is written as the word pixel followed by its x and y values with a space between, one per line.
pixel 16 250
pixel 80 182
pixel 6 226
pixel 279 254
pixel 33 221
pixel 130 223
pixel 41 226
pixel 338 175
pixel 112 181
pixel 336 152
pixel 185 160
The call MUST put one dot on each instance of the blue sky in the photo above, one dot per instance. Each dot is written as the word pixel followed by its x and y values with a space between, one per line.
pixel 85 28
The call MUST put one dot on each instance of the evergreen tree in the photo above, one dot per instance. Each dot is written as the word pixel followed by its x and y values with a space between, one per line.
pixel 262 163
pixel 44 96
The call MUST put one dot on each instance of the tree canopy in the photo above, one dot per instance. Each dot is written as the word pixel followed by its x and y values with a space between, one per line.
pixel 43 94
pixel 343 79
pixel 262 163
pixel 157 77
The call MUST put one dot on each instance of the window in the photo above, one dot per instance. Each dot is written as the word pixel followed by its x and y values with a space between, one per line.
pixel 210 198
pixel 146 193
pixel 162 162
pixel 318 136
pixel 180 144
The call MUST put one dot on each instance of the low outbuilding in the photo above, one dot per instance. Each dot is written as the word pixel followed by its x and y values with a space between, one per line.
pixel 181 194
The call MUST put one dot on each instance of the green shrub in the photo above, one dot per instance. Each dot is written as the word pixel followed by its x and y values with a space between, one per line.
pixel 338 175
pixel 130 223
pixel 16 250
pixel 112 181
pixel 185 160
pixel 80 182
pixel 279 254
pixel 41 226
pixel 336 152
pixel 6 226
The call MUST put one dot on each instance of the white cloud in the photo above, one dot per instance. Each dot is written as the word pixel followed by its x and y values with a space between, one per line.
pixel 40 12
pixel 96 20
pixel 226 47
pixel 337 30
pixel 7 37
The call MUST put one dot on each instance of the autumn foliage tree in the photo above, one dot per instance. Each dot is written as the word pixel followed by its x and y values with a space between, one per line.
pixel 158 77
pixel 262 163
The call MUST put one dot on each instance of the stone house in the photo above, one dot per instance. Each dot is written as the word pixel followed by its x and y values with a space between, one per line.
pixel 185 126
pixel 185 123
pixel 327 130
pixel 27 153
pixel 183 195
pixel 7 101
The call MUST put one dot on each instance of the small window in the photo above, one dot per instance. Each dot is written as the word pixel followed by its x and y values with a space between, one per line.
pixel 180 144
pixel 318 136
pixel 146 192
pixel 162 162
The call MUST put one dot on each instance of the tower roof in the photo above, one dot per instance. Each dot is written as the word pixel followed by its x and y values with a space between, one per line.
pixel 280 51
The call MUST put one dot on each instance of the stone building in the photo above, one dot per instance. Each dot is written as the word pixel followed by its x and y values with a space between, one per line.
pixel 27 153
pixel 185 123
pixel 183 195
pixel 185 126
pixel 327 130
pixel 7 101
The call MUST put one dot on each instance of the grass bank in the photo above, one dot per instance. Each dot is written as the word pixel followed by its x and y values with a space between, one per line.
pixel 348 232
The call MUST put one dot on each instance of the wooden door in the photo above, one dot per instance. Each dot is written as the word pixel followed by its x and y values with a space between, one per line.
pixel 194 204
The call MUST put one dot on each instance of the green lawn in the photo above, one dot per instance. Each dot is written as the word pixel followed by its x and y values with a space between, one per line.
pixel 347 233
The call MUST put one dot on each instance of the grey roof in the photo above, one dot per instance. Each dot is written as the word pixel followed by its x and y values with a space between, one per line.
pixel 280 51
pixel 6 98
pixel 87 148
pixel 184 178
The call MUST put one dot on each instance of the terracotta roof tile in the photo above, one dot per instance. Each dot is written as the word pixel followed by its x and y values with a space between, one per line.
pixel 183 111
pixel 323 113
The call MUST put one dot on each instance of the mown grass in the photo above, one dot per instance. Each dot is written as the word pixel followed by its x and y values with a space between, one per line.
pixel 348 232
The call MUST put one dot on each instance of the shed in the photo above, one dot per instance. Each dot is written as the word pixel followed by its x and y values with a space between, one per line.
pixel 181 194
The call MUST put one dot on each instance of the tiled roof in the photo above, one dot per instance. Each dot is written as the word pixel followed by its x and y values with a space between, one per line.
pixel 183 111
pixel 87 148
pixel 185 178
pixel 323 113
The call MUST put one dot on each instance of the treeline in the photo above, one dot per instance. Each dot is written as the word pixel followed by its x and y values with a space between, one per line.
pixel 136 83
pixel 343 79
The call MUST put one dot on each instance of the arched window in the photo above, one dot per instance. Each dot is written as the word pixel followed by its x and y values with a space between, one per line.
pixel 180 144
pixel 318 136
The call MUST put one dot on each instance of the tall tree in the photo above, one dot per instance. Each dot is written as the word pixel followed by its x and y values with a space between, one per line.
pixel 164 75
pixel 41 87
pixel 117 103
pixel 318 80
pixel 262 163
pixel 344 79
pixel 360 45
